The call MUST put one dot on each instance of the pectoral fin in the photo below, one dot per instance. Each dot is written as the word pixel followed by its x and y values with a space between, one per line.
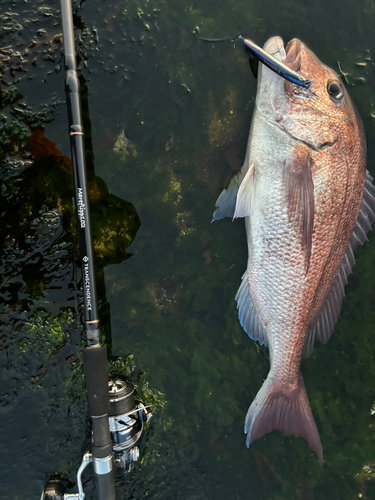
pixel 300 198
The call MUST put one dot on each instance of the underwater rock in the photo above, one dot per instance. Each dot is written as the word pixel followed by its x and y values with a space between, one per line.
pixel 40 231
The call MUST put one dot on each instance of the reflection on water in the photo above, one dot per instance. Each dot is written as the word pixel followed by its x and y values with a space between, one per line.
pixel 169 122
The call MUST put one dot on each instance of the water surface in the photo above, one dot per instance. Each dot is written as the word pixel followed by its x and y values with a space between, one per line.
pixel 167 117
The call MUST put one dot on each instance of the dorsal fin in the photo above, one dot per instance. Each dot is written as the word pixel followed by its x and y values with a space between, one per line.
pixel 330 311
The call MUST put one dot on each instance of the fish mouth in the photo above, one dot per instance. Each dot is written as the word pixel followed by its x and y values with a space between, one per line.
pixel 293 54
pixel 273 55
pixel 275 47
pixel 289 55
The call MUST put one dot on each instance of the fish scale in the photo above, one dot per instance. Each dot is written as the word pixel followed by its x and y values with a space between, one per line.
pixel 301 193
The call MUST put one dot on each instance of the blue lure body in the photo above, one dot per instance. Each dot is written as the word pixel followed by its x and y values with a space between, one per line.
pixel 274 64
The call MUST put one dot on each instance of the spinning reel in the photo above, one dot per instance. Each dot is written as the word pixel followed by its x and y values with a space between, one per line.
pixel 126 424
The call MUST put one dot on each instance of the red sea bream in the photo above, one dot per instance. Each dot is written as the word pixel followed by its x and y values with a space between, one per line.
pixel 307 201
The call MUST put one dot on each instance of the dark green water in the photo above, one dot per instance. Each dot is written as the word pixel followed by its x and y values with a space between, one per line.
pixel 168 309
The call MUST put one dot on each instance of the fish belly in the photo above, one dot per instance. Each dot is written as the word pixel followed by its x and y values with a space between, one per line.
pixel 276 263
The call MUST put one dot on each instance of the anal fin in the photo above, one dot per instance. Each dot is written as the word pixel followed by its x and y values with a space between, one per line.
pixel 247 314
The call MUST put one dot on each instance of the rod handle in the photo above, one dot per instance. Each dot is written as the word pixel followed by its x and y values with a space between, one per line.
pixel 95 369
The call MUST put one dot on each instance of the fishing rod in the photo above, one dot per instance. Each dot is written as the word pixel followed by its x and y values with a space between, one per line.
pixel 117 421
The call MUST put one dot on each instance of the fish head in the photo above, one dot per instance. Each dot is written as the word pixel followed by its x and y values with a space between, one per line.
pixel 316 116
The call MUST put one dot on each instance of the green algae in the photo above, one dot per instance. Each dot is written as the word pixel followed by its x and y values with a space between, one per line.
pixel 204 360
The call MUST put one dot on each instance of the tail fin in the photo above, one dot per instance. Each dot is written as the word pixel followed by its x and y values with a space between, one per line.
pixel 278 407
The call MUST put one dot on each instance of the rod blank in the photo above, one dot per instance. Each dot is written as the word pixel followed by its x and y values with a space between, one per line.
pixel 95 354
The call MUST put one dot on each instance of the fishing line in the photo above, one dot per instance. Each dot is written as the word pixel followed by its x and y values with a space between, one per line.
pixel 236 35
pixel 233 36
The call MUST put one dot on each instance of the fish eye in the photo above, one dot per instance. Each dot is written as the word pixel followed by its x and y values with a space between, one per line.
pixel 334 89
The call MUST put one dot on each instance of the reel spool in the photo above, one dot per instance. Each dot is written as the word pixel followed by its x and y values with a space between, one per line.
pixel 54 490
pixel 126 421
